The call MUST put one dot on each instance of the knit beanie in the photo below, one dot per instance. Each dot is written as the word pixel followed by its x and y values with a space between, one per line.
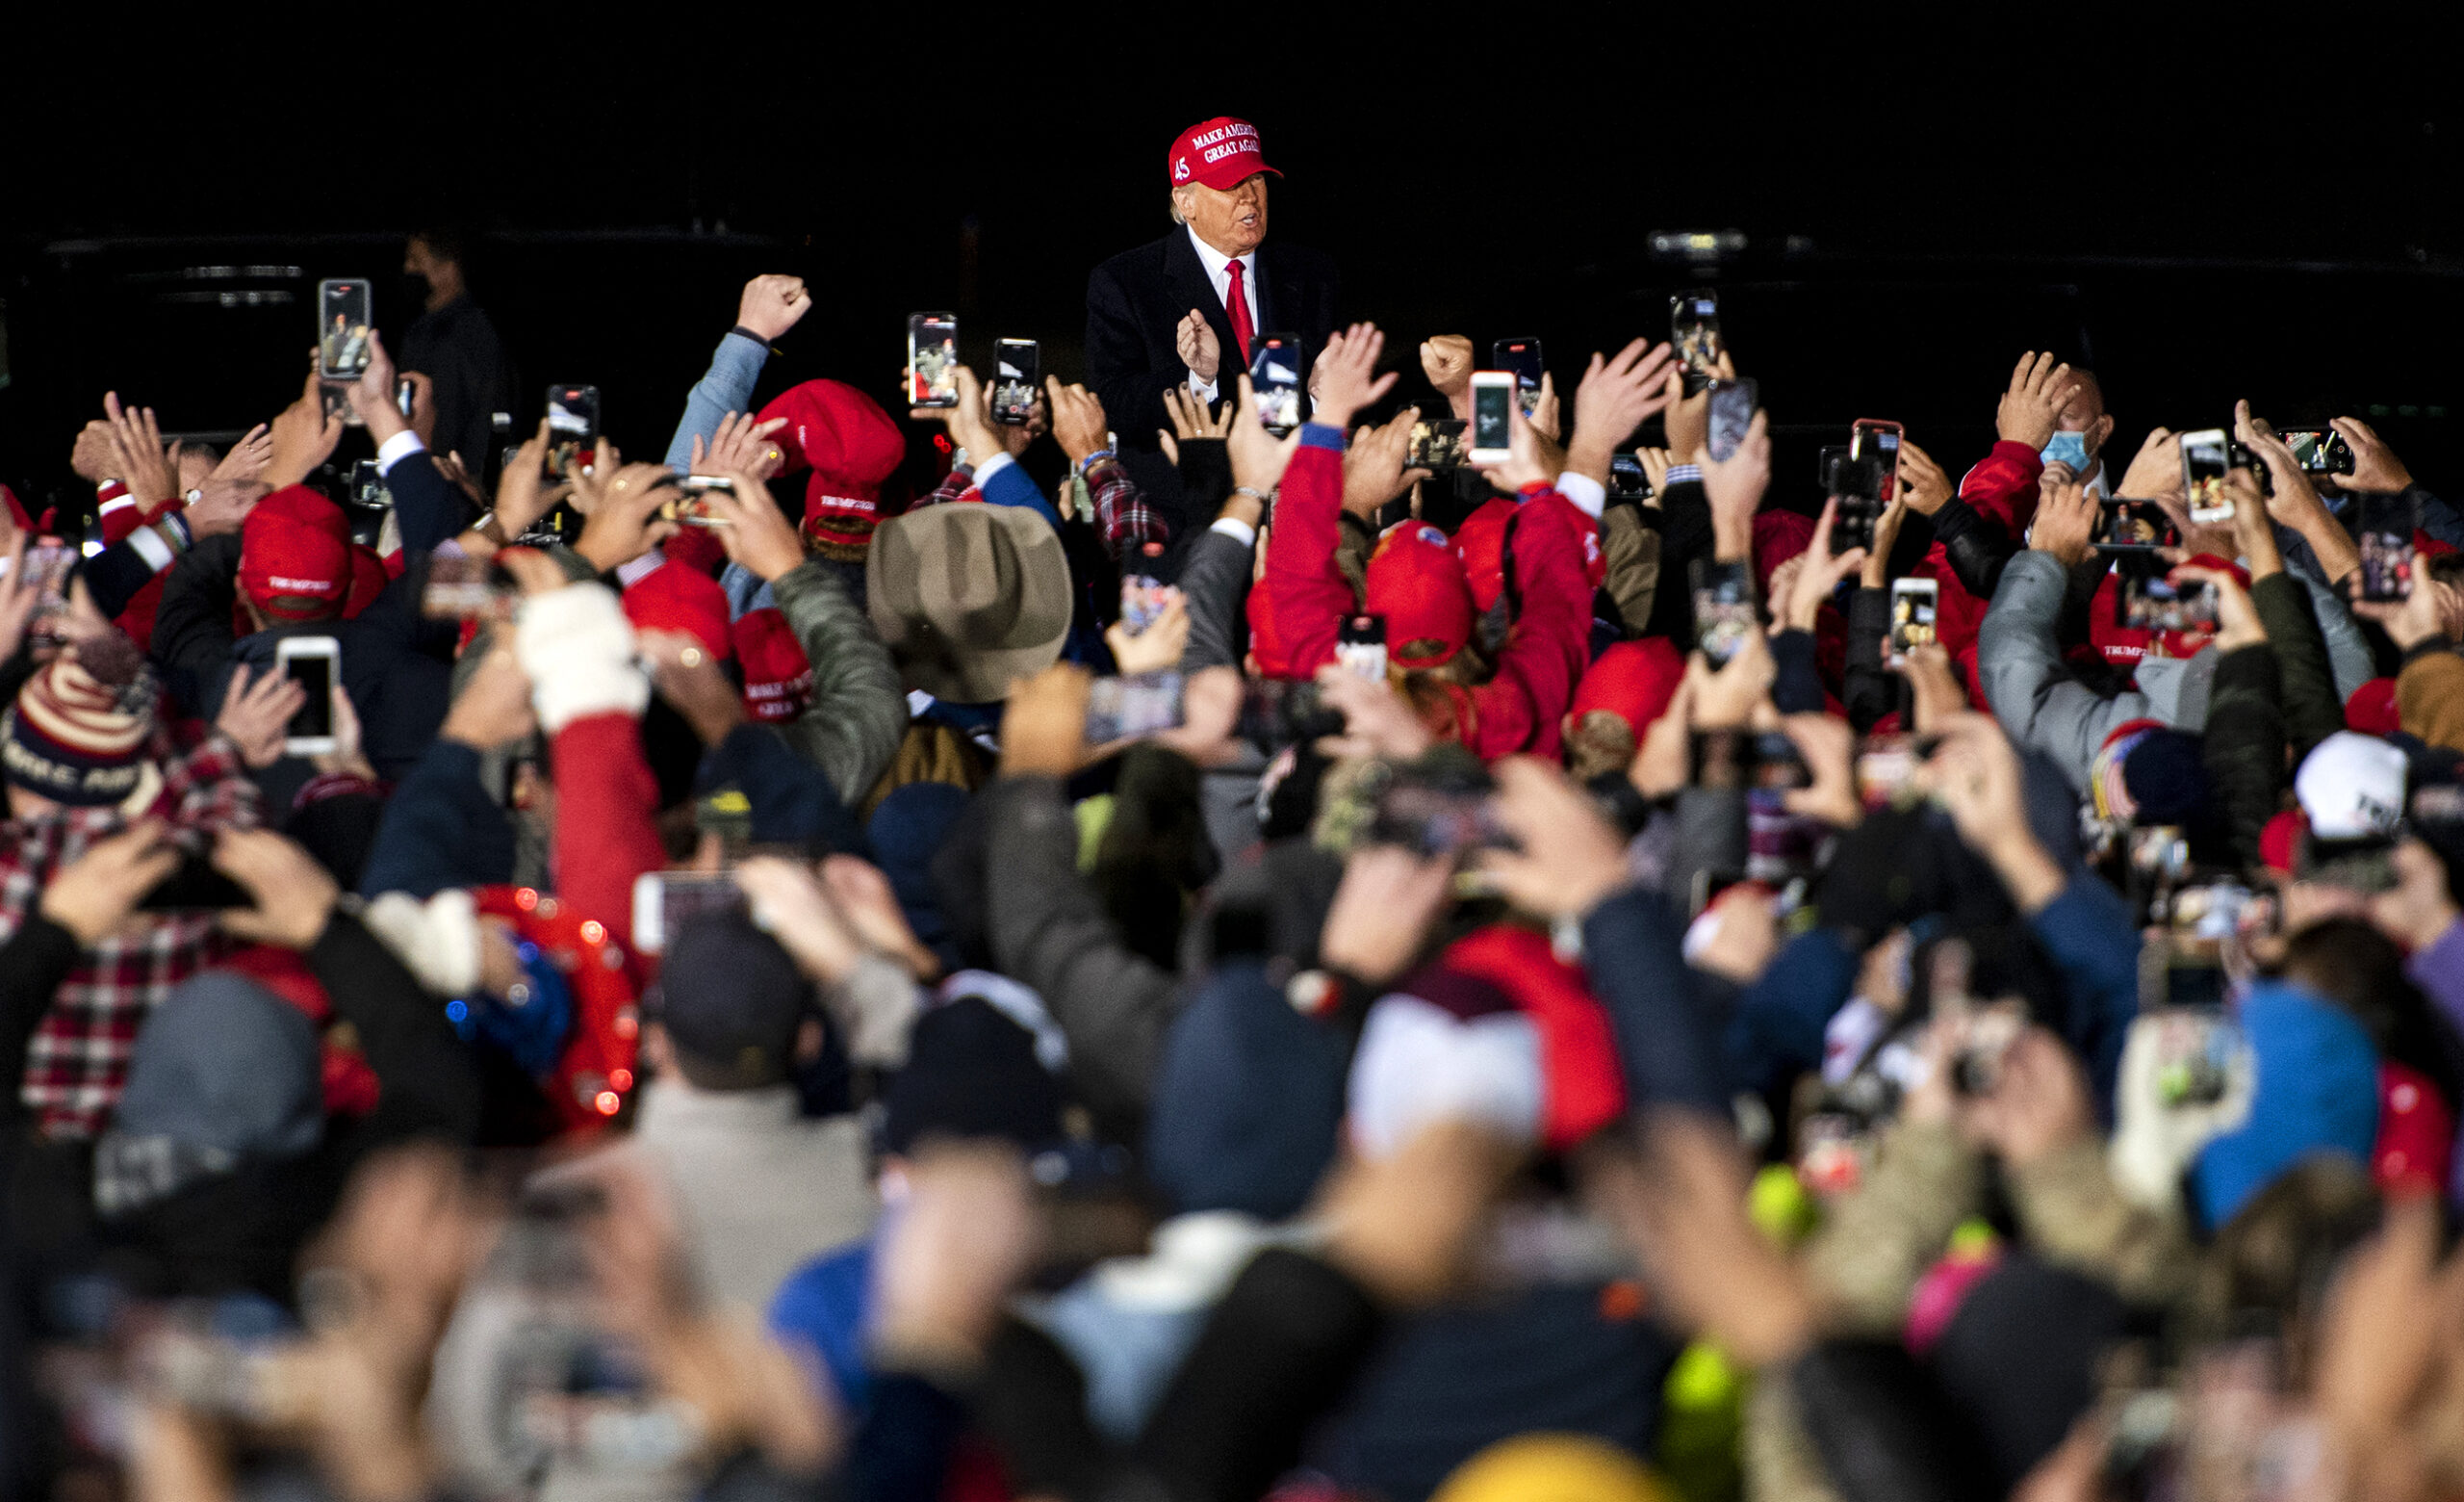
pixel 79 729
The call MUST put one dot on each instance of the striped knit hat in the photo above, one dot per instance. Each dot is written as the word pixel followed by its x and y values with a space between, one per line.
pixel 79 729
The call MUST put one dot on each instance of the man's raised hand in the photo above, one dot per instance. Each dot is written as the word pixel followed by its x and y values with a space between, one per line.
pixel 771 305
pixel 1615 397
pixel 1348 377
pixel 2032 407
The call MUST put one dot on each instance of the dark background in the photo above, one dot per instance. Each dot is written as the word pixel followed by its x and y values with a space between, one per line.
pixel 2200 205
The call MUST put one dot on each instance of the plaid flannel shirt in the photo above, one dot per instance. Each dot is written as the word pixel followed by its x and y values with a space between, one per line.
pixel 1122 516
pixel 77 1062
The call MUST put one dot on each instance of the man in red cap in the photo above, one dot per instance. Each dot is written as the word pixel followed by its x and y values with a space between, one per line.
pixel 1187 309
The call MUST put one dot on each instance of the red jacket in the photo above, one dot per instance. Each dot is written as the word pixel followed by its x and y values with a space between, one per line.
pixel 2003 488
pixel 1298 607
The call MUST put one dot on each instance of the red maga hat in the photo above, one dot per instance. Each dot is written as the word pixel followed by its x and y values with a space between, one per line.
pixel 1220 153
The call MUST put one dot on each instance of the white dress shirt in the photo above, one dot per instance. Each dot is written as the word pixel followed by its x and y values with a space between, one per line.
pixel 1218 273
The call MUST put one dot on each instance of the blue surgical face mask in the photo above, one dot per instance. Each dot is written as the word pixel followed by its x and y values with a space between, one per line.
pixel 2070 448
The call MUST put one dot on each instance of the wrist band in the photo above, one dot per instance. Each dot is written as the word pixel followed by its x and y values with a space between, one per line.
pixel 1258 496
pixel 173 532
pixel 490 527
pixel 749 334
pixel 1096 458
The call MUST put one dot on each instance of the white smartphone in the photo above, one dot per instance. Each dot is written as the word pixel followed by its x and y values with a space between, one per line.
pixel 2206 457
pixel 1913 603
pixel 665 901
pixel 1492 431
pixel 315 664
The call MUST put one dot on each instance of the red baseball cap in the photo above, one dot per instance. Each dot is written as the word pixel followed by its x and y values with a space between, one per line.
pixel 2371 708
pixel 672 597
pixel 1416 582
pixel 1633 681
pixel 295 555
pixel 778 681
pixel 851 446
pixel 1220 153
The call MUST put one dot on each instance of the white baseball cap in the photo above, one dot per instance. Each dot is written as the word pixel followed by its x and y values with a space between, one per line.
pixel 2351 786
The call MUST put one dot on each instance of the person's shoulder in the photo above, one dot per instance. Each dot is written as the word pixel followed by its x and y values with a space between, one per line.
pixel 1137 264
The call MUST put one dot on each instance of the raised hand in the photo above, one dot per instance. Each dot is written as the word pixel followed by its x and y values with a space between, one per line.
pixel 304 436
pixel 1079 424
pixel 151 474
pixel 249 458
pixel 522 494
pixel 739 445
pixel 2065 520
pixel 1348 377
pixel 2237 619
pixel 294 896
pixel 1735 486
pixel 2032 407
pixel 255 718
pixel 1447 361
pixel 757 533
pixel 371 395
pixel 2374 465
pixel 2156 470
pixel 1922 485
pixel 623 513
pixel 94 893
pixel 1532 458
pixel 1567 858
pixel 1190 419
pixel 1374 472
pixel 772 305
pixel 1819 575
pixel 1615 397
pixel 1195 343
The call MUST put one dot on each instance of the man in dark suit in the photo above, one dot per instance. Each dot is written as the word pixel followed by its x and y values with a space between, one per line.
pixel 1184 311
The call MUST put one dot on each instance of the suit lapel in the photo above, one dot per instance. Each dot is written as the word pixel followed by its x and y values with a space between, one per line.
pixel 1184 278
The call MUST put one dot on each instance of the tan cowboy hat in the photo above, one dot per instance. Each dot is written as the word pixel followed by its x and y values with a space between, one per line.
pixel 969 597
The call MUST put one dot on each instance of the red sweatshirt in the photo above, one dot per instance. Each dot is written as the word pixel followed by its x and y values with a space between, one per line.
pixel 2002 487
pixel 1299 607
pixel 606 817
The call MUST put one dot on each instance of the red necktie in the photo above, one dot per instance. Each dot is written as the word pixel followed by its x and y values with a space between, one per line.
pixel 1242 327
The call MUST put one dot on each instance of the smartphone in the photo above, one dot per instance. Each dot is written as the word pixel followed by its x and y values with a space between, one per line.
pixel 1437 444
pixel 1877 439
pixel 665 901
pixel 343 323
pixel 1274 374
pixel 47 563
pixel 1832 455
pixel 2206 456
pixel 687 509
pixel 2154 602
pixel 1988 1033
pixel 404 392
pixel 1522 356
pixel 1360 645
pixel 572 430
pixel 195 886
pixel 1733 406
pixel 2319 451
pixel 2134 526
pixel 315 664
pixel 1694 330
pixel 1912 606
pixel 1142 600
pixel 1276 713
pixel 1438 816
pixel 1627 478
pixel 1123 708
pixel 1723 609
pixel 1857 485
pixel 462 588
pixel 1492 429
pixel 931 359
pixel 1017 373
pixel 1886 768
pixel 2382 530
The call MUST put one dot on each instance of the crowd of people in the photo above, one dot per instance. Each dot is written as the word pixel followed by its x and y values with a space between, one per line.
pixel 756 984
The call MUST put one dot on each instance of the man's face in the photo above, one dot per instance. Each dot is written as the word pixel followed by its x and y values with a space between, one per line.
pixel 2085 414
pixel 417 260
pixel 1233 222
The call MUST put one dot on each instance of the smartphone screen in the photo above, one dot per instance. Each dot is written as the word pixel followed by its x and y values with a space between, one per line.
pixel 343 323
pixel 1628 477
pixel 573 427
pixel 1723 609
pixel 1857 483
pixel 2133 527
pixel 1143 600
pixel 2155 603
pixel 1122 709
pixel 1274 374
pixel 1827 475
pixel 1733 404
pixel 2382 530
pixel 47 566
pixel 314 673
pixel 931 359
pixel 2206 456
pixel 664 903
pixel 1522 356
pixel 1360 645
pixel 1437 444
pixel 1694 328
pixel 404 392
pixel 1017 370
pixel 1913 603
pixel 2319 451
pixel 1492 428
pixel 1878 441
